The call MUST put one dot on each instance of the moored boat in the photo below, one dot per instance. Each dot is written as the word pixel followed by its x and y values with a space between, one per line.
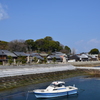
pixel 55 89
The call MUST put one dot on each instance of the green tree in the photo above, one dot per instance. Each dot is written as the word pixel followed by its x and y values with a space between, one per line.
pixel 94 51
pixel 54 59
pixel 35 59
pixel 21 60
pixel 48 38
pixel 10 60
pixel 45 59
pixel 53 45
pixel 3 45
pixel 68 50
pixel 48 45
pixel 39 44
pixel 30 45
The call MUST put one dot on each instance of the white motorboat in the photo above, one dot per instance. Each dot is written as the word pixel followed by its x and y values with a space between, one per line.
pixel 55 89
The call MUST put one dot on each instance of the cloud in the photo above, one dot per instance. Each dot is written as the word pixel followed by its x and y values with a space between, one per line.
pixel 86 46
pixel 94 41
pixel 3 13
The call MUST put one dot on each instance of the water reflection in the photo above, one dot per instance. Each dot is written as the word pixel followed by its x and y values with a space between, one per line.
pixel 62 98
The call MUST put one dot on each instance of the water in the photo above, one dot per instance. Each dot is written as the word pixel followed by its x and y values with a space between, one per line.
pixel 89 89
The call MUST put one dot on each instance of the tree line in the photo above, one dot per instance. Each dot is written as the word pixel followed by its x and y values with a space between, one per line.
pixel 46 44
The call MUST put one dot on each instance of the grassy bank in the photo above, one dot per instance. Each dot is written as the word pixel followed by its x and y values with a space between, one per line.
pixel 93 73
pixel 86 63
pixel 19 81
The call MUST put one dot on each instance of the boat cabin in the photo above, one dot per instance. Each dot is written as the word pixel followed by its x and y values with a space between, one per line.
pixel 57 84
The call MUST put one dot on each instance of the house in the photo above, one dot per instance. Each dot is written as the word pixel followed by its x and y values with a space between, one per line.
pixel 51 57
pixel 83 57
pixel 88 57
pixel 3 57
pixel 36 55
pixel 78 57
pixel 93 57
pixel 73 58
pixel 20 54
pixel 62 55
pixel 6 54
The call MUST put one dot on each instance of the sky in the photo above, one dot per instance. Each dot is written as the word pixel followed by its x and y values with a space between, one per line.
pixel 74 23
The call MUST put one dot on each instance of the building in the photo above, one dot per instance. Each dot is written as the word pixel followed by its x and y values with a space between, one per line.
pixel 59 56
pixel 3 57
pixel 4 54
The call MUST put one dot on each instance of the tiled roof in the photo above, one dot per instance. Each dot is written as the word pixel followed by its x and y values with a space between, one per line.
pixel 52 56
pixel 8 53
pixel 39 57
pixel 2 53
pixel 59 54
pixel 20 53
pixel 33 54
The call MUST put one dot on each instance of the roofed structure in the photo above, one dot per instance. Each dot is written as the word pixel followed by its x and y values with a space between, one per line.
pixel 20 54
pixel 37 56
pixel 8 53
pixel 58 58
pixel 3 56
pixel 2 53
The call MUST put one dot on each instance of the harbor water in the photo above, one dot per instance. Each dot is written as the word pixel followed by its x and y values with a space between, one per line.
pixel 89 89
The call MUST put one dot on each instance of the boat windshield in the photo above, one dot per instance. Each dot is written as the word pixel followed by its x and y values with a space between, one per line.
pixel 57 85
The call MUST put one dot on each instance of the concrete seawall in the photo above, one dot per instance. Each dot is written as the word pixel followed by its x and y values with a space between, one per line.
pixel 6 71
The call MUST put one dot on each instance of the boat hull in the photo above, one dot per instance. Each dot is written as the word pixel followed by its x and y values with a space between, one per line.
pixel 56 94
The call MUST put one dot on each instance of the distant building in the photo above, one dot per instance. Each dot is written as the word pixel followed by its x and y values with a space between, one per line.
pixel 20 54
pixel 8 53
pixel 4 54
pixel 3 57
pixel 60 57
pixel 36 55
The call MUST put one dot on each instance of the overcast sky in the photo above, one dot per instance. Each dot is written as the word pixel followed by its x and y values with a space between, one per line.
pixel 75 23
